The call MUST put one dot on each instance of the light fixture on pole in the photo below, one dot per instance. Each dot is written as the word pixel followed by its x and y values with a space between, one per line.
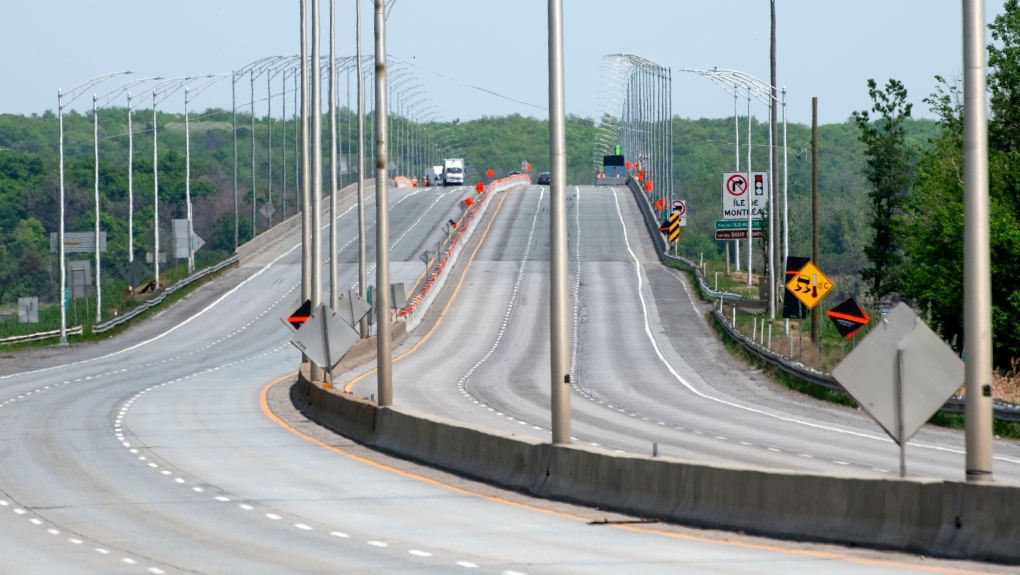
pixel 164 89
pixel 189 94
pixel 72 96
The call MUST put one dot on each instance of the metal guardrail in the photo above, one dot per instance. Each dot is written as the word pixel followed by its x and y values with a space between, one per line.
pixel 112 323
pixel 955 405
pixel 77 330
pixel 660 244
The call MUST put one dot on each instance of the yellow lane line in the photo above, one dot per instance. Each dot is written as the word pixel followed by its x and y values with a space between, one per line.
pixel 694 538
pixel 350 385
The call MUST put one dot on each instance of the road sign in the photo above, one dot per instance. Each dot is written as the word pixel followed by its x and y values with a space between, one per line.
pixel 425 256
pixel 267 210
pixel 180 239
pixel 792 308
pixel 488 174
pixel 299 316
pixel 674 227
pixel 901 374
pixel 78 242
pixel 737 234
pixel 809 285
pixel 757 224
pixel 680 207
pixel 848 317
pixel 28 310
pixel 79 276
pixel 737 198
pixel 325 338
pixel 135 273
pixel 352 308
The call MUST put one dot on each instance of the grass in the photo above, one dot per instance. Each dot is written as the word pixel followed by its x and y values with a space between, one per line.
pixel 115 300
pixel 1004 429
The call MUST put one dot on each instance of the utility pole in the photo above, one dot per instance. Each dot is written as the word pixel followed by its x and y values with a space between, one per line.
pixel 775 265
pixel 977 291
pixel 814 206
pixel 560 364
pixel 384 373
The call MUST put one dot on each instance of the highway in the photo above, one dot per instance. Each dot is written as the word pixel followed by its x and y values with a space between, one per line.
pixel 166 450
pixel 648 369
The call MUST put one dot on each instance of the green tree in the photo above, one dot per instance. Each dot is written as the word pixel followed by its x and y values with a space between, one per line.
pixel 890 172
pixel 1004 78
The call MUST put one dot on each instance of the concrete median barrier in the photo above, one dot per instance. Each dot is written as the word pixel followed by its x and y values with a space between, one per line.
pixel 926 516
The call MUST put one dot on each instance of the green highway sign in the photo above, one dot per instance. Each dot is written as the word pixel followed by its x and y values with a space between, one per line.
pixel 738 224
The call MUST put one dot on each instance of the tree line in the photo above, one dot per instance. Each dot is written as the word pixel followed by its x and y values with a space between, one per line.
pixel 915 250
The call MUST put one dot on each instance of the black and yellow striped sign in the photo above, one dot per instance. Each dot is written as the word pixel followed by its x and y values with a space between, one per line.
pixel 674 227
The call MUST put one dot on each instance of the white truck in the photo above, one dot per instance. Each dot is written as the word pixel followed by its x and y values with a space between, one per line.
pixel 453 172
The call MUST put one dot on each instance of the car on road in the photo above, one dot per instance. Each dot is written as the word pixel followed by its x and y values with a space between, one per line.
pixel 543 178
pixel 513 173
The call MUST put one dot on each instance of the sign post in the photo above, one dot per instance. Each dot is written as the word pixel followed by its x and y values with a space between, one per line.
pixel 901 374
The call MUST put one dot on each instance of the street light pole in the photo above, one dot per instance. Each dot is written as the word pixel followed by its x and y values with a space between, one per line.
pixel 254 198
pixel 187 181
pixel 60 236
pixel 316 157
pixel 131 186
pixel 233 116
pixel 306 191
pixel 750 187
pixel 362 273
pixel 155 188
pixel 334 295
pixel 95 136
pixel 382 227
pixel 559 365
pixel 269 145
pixel 977 292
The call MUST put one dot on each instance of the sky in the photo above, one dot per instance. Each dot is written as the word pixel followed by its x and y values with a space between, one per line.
pixel 825 48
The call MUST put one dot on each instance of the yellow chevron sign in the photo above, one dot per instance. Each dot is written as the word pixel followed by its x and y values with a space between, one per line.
pixel 674 227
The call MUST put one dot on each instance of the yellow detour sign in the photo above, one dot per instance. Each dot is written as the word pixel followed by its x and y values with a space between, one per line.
pixel 809 285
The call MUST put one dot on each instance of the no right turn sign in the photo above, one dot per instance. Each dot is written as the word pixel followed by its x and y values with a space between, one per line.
pixel 738 194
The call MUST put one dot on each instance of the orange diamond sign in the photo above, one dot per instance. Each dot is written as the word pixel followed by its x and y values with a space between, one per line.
pixel 809 285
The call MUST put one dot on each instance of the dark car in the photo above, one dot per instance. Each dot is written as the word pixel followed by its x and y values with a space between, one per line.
pixel 513 173
pixel 543 178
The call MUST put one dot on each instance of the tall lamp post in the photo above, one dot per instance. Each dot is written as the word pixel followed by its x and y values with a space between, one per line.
pixel 977 291
pixel 189 94
pixel 732 81
pixel 382 257
pixel 72 96
pixel 161 92
pixel 559 365
pixel 105 99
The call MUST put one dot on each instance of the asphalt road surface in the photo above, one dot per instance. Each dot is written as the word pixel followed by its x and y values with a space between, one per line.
pixel 166 449
pixel 647 367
